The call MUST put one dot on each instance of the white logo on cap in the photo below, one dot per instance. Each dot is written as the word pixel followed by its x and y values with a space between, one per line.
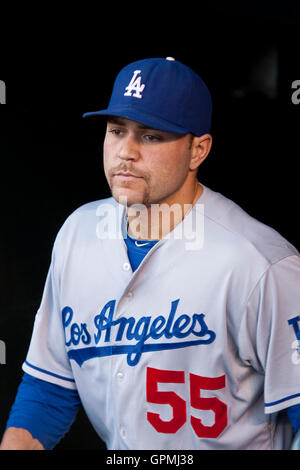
pixel 135 85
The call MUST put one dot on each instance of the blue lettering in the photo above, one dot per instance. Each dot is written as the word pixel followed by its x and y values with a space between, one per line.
pixel 295 324
pixel 122 324
pixel 179 325
pixel 67 315
pixel 77 333
pixel 199 319
pixel 157 323
pixel 86 337
pixel 140 334
pixel 143 325
pixel 138 329
pixel 102 323
pixel 167 331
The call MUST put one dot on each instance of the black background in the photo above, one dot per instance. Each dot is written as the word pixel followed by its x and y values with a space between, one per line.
pixel 51 158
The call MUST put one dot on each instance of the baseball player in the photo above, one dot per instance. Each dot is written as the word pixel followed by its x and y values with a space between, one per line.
pixel 168 312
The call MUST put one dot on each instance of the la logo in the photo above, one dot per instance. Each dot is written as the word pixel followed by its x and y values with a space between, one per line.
pixel 135 86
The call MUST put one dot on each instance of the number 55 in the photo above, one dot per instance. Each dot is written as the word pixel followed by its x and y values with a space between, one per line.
pixel 197 383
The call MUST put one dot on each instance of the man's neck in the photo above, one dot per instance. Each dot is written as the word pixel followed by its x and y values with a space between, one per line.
pixel 156 221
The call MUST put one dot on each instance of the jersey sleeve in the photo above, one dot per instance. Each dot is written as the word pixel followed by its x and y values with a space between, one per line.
pixel 44 409
pixel 269 335
pixel 293 413
pixel 47 358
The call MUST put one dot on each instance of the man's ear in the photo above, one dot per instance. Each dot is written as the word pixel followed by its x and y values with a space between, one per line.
pixel 200 149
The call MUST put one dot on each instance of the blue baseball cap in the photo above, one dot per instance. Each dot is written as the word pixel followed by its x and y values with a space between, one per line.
pixel 161 93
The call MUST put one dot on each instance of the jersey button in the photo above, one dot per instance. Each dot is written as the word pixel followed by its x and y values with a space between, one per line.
pixel 120 375
pixel 126 266
pixel 129 295
pixel 123 432
pixel 190 236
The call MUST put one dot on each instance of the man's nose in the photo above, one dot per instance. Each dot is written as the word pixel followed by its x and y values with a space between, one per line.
pixel 129 149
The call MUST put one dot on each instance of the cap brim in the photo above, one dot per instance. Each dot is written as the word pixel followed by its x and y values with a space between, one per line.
pixel 153 122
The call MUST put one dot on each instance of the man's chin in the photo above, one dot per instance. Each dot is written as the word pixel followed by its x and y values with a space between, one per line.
pixel 128 198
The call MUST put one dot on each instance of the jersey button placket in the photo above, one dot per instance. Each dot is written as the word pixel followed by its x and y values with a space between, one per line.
pixel 126 297
pixel 122 432
pixel 126 266
pixel 120 376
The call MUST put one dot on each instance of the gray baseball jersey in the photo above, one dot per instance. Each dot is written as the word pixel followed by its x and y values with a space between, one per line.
pixel 196 349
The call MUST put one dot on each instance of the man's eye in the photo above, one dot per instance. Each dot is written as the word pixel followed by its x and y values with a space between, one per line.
pixel 152 138
pixel 115 131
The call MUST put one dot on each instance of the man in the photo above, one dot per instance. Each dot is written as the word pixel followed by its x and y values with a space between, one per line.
pixel 168 312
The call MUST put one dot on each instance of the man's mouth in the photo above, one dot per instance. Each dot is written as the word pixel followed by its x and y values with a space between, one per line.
pixel 126 175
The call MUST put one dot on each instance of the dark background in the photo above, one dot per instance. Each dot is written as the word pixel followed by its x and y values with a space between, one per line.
pixel 248 54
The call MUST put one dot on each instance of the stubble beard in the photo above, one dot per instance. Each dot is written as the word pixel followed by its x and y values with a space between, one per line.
pixel 142 199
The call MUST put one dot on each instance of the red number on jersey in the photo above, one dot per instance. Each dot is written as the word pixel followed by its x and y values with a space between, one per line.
pixel 197 383
pixel 204 403
pixel 171 398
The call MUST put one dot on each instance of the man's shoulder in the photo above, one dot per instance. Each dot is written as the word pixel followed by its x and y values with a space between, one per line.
pixel 82 222
pixel 92 206
pixel 230 220
pixel 90 210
